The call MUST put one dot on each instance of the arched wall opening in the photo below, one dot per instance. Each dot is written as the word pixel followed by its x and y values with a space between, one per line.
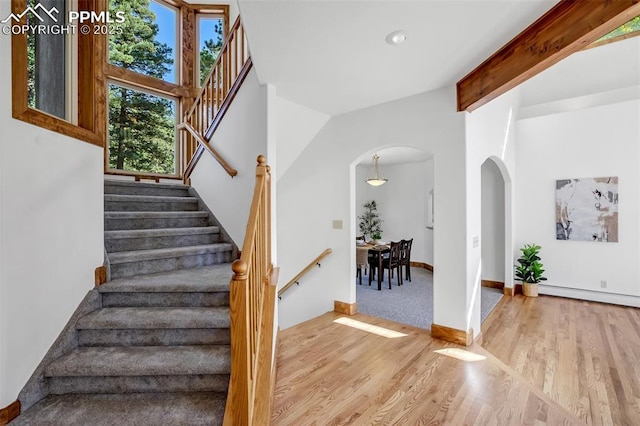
pixel 403 203
pixel 497 225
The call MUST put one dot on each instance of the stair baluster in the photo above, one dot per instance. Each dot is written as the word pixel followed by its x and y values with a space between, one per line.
pixel 217 93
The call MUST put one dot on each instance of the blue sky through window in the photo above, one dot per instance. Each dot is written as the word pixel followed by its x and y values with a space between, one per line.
pixel 166 19
pixel 207 30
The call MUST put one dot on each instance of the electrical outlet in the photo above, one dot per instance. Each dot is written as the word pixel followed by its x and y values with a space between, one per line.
pixel 476 242
pixel 603 284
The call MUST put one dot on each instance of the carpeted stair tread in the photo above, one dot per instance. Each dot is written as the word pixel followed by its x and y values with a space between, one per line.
pixel 154 337
pixel 142 409
pixel 158 350
pixel 137 185
pixel 148 198
pixel 155 215
pixel 163 232
pixel 152 318
pixel 206 279
pixel 150 219
pixel 165 253
pixel 143 361
pixel 64 385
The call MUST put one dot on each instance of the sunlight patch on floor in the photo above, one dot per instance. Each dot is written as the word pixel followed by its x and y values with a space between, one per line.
pixel 380 331
pixel 461 354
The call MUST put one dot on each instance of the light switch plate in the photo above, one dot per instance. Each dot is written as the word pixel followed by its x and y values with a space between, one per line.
pixel 337 224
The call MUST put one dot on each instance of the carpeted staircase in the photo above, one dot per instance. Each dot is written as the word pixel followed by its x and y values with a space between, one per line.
pixel 157 352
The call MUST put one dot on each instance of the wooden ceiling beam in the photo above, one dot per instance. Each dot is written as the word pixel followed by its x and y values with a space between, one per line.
pixel 568 27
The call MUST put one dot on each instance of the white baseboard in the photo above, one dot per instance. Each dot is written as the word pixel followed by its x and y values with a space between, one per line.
pixel 593 296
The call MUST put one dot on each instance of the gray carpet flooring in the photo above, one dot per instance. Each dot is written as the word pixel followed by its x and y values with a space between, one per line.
pixel 411 303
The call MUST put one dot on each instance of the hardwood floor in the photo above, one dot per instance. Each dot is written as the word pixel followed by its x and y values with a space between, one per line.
pixel 583 355
pixel 361 370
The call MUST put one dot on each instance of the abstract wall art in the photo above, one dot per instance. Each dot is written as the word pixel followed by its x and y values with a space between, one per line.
pixel 587 209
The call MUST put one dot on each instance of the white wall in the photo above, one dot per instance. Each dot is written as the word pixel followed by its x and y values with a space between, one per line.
pixel 401 203
pixel 599 141
pixel 233 10
pixel 51 241
pixel 321 187
pixel 428 232
pixel 492 238
pixel 240 138
pixel 296 126
pixel 602 69
pixel 490 134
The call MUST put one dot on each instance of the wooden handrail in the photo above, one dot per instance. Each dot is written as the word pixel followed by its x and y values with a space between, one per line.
pixel 252 305
pixel 225 44
pixel 229 70
pixel 201 140
pixel 310 266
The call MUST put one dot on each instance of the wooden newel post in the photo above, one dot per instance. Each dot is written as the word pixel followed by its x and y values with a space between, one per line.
pixel 239 268
pixel 252 308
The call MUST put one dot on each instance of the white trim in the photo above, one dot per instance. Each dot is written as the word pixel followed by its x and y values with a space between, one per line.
pixel 593 296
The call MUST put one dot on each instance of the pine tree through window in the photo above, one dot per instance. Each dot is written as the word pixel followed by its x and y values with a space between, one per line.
pixel 142 136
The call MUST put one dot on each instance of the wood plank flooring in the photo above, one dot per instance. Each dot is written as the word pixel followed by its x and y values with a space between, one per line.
pixel 368 371
pixel 583 355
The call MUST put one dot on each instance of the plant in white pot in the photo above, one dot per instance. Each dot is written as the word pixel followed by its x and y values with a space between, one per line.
pixel 377 237
pixel 529 269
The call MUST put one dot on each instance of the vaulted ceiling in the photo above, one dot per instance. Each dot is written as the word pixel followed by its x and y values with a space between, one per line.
pixel 332 56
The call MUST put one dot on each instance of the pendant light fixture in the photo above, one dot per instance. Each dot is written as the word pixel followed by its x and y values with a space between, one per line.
pixel 378 179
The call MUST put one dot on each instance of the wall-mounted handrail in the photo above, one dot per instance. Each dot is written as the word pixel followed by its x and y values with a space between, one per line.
pixel 230 170
pixel 310 266
pixel 252 305
pixel 227 74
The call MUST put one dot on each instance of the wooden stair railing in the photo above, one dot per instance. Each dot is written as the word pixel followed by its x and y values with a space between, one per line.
pixel 217 93
pixel 252 304
pixel 296 279
pixel 194 133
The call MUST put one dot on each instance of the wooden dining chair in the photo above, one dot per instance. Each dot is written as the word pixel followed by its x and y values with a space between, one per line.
pixel 361 261
pixel 405 257
pixel 373 261
pixel 393 262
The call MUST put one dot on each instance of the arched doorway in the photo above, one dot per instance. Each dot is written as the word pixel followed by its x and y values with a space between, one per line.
pixel 496 216
pixel 403 206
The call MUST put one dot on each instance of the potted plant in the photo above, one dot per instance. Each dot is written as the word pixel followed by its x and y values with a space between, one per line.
pixel 529 269
pixel 370 223
pixel 377 236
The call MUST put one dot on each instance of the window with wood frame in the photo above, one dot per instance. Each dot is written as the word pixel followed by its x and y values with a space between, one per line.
pixel 63 80
pixel 56 67
pixel 142 116
pixel 209 36
pixel 151 76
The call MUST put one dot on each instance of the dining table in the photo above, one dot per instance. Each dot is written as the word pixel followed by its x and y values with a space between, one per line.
pixel 377 250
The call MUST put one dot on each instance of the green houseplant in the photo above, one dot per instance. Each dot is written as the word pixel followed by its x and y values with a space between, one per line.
pixel 370 223
pixel 529 269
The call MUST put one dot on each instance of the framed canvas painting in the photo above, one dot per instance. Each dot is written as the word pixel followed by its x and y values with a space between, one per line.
pixel 587 209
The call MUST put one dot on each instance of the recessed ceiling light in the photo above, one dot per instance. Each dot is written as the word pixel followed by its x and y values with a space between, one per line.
pixel 396 37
